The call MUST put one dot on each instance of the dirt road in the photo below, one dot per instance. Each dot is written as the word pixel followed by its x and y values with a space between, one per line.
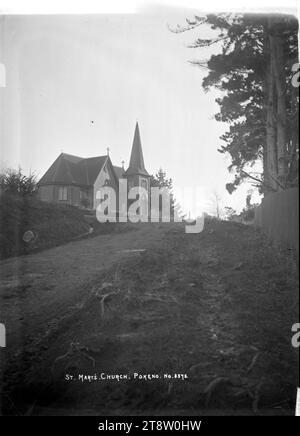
pixel 208 315
pixel 38 288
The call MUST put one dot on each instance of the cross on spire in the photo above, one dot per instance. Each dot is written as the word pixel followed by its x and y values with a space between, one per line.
pixel 136 163
pixel 107 149
pixel 123 163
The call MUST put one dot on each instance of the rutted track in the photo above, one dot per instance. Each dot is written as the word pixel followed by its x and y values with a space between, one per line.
pixel 217 306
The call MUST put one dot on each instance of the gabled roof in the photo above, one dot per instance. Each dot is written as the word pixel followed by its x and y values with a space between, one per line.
pixel 73 170
pixel 91 167
pixel 119 171
pixel 136 164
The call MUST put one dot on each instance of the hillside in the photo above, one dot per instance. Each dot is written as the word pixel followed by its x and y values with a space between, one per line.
pixel 215 307
pixel 46 224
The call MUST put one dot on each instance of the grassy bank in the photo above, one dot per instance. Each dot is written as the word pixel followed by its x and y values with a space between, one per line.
pixel 50 224
pixel 216 307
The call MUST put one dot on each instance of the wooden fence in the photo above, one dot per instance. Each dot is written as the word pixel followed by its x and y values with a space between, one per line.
pixel 278 217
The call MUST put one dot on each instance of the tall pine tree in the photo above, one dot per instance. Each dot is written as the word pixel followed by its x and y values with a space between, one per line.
pixel 260 105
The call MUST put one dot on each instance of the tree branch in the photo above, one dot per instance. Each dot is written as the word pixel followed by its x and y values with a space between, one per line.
pixel 251 177
pixel 191 25
pixel 200 43
pixel 261 181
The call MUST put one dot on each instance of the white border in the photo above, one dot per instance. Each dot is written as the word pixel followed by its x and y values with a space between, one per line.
pixel 134 6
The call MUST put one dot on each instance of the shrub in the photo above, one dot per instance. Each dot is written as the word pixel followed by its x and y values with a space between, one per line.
pixel 16 183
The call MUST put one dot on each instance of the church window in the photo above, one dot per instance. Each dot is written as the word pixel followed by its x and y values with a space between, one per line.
pixel 106 176
pixel 144 184
pixel 63 193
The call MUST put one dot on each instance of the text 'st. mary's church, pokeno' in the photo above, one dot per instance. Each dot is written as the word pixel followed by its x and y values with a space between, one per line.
pixel 75 180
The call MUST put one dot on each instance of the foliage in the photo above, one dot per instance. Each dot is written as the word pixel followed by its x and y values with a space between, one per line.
pixel 242 71
pixel 230 213
pixel 248 213
pixel 85 202
pixel 16 183
pixel 161 180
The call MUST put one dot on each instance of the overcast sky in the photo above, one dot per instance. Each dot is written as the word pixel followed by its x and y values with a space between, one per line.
pixel 78 84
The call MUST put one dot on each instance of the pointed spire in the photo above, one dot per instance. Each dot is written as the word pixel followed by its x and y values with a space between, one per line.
pixel 136 164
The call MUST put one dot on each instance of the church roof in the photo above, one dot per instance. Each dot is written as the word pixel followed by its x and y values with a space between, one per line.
pixel 119 171
pixel 136 164
pixel 73 170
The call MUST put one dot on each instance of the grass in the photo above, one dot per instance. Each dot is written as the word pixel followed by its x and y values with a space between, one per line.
pixel 52 224
pixel 217 306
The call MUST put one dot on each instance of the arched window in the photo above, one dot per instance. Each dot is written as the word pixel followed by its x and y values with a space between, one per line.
pixel 144 184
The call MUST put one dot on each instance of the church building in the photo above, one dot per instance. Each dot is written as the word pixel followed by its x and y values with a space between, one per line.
pixel 75 180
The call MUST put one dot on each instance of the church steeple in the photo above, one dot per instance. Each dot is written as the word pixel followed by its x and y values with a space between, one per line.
pixel 136 164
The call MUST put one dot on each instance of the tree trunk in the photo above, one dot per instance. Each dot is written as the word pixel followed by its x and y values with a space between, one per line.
pixel 278 67
pixel 270 151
